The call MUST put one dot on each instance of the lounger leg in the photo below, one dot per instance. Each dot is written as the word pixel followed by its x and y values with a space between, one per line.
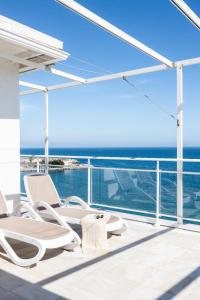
pixel 15 258
pixel 76 242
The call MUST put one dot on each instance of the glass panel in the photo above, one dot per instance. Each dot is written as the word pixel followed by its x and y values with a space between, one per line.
pixel 168 194
pixel 124 189
pixel 191 188
pixel 70 182
pixel 67 182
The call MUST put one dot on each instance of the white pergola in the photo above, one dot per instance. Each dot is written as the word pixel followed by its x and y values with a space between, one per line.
pixel 166 64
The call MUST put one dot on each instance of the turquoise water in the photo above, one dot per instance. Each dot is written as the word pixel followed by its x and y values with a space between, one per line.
pixel 128 189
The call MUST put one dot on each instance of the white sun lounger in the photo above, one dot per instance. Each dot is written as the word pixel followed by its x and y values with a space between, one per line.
pixel 43 196
pixel 34 231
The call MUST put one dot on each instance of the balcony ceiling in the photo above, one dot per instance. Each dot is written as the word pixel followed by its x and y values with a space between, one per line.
pixel 19 42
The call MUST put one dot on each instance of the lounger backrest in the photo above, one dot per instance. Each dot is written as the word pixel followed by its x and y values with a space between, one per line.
pixel 3 206
pixel 41 188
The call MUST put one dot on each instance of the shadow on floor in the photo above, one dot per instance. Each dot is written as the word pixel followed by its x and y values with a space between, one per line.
pixel 181 285
pixel 103 257
pixel 14 288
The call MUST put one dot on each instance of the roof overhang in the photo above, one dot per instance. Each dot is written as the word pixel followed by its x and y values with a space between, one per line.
pixel 23 42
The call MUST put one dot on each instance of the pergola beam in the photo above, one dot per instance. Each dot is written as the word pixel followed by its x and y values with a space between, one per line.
pixel 92 17
pixel 64 85
pixel 32 85
pixel 128 73
pixel 187 12
pixel 187 62
pixel 67 75
pixel 101 78
pixel 29 92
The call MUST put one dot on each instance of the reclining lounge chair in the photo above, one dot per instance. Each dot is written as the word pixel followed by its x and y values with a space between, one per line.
pixel 34 231
pixel 44 198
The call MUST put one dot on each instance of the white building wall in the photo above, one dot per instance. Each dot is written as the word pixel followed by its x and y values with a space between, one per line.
pixel 9 130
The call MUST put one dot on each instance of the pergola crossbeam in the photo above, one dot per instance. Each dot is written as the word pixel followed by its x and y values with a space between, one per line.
pixel 102 78
pixel 29 92
pixel 188 62
pixel 187 12
pixel 157 68
pixel 67 75
pixel 32 85
pixel 128 73
pixel 64 85
pixel 110 77
pixel 92 17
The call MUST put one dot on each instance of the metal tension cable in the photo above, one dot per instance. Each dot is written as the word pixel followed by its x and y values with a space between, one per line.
pixel 160 107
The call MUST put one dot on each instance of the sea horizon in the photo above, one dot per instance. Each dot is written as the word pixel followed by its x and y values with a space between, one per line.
pixel 106 147
pixel 151 152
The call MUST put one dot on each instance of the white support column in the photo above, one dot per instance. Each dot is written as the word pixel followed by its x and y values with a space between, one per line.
pixel 46 139
pixel 179 144
pixel 9 132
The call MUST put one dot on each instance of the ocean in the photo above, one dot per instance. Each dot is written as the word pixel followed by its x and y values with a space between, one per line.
pixel 164 152
pixel 129 189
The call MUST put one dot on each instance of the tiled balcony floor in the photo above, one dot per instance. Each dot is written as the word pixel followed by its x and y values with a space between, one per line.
pixel 145 263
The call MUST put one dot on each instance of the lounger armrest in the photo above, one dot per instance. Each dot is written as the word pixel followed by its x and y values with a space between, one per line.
pixel 76 200
pixel 27 208
pixel 51 211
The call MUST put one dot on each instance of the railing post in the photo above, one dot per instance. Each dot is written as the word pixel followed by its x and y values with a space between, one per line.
pixel 38 166
pixel 89 182
pixel 179 145
pixel 46 139
pixel 157 193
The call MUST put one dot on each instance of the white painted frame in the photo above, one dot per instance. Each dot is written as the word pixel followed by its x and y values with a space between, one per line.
pixel 179 116
pixel 187 12
pixel 46 131
pixel 120 75
pixel 92 17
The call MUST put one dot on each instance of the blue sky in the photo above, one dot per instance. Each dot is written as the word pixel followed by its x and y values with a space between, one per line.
pixel 111 113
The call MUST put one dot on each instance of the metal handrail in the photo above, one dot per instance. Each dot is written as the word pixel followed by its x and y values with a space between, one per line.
pixel 153 159
pixel 158 171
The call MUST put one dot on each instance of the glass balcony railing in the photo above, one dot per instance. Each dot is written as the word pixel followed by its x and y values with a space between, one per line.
pixel 148 188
